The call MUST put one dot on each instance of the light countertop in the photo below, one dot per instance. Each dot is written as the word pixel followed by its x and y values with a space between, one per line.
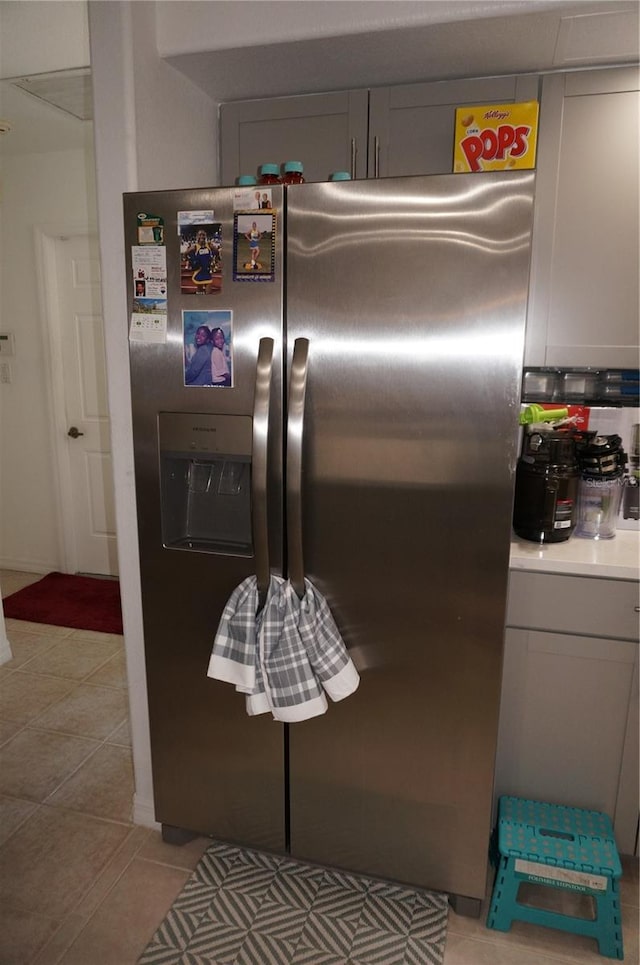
pixel 617 558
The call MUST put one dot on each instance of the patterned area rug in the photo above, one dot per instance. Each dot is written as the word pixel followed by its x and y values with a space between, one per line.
pixel 245 907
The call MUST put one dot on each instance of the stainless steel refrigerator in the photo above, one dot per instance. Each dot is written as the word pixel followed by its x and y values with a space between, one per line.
pixel 364 436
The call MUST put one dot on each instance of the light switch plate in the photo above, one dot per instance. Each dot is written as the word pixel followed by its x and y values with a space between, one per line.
pixel 7 344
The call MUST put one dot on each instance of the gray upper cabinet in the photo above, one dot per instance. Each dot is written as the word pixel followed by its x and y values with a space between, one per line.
pixel 411 127
pixel 584 293
pixel 583 309
pixel 327 132
pixel 385 132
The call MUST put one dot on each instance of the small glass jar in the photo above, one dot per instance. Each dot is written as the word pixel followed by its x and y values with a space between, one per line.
pixel 293 172
pixel 269 174
pixel 598 506
pixel 246 180
pixel 340 176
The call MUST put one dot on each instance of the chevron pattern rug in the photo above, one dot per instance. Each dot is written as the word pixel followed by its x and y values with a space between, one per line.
pixel 244 907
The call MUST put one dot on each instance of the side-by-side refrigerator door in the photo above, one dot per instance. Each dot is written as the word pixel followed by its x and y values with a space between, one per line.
pixel 204 282
pixel 412 295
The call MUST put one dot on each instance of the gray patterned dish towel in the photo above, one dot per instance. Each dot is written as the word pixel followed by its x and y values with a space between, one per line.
pixel 285 657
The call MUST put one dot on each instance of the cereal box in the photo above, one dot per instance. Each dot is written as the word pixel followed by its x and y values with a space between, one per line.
pixel 495 137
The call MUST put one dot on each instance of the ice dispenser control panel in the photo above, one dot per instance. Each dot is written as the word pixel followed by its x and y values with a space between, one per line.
pixel 205 479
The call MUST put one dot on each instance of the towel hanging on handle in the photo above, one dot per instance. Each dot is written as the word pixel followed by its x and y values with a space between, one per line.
pixel 287 656
pixel 235 652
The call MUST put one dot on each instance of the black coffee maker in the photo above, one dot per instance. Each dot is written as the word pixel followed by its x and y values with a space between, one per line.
pixel 547 478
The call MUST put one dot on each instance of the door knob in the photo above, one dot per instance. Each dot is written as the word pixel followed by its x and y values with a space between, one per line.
pixel 74 432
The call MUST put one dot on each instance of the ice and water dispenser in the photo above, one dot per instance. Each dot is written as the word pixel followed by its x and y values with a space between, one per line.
pixel 205 477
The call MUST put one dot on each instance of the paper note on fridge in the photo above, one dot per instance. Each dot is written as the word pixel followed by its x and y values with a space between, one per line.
pixel 149 324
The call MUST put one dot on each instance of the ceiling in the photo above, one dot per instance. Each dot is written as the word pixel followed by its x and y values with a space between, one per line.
pixel 538 38
pixel 46 112
pixel 464 39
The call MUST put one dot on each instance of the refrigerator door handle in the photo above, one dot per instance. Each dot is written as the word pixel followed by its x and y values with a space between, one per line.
pixel 259 515
pixel 295 435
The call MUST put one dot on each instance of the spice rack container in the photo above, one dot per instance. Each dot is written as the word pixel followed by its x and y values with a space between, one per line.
pixel 587 386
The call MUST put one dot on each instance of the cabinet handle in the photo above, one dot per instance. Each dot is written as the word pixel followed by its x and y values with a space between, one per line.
pixel 636 609
pixel 376 157
pixel 354 152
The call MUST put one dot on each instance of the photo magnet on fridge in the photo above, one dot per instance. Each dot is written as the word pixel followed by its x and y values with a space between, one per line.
pixel 200 253
pixel 150 229
pixel 253 199
pixel 208 348
pixel 254 246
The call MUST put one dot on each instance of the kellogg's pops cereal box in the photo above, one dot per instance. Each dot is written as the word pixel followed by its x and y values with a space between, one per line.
pixel 495 137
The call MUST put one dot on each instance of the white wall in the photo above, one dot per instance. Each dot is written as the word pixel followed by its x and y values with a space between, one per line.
pixel 50 189
pixel 55 187
pixel 153 130
pixel 35 189
pixel 175 122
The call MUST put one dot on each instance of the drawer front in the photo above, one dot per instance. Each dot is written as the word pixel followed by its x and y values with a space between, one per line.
pixel 574 604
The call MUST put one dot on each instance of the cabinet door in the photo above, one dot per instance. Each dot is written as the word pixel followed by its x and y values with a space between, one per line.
pixel 584 292
pixel 581 605
pixel 627 810
pixel 564 722
pixel 412 126
pixel 327 132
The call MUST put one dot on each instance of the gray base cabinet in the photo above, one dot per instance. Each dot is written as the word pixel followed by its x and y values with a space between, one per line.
pixel 584 300
pixel 568 720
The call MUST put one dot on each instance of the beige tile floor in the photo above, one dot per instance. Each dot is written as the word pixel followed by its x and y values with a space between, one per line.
pixel 80 884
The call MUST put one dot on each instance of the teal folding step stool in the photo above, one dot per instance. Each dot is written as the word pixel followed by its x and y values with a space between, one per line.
pixel 560 847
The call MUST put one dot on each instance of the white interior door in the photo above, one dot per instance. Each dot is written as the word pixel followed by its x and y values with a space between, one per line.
pixel 89 509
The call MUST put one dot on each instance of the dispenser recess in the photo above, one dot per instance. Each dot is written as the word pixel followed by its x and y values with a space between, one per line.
pixel 205 480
